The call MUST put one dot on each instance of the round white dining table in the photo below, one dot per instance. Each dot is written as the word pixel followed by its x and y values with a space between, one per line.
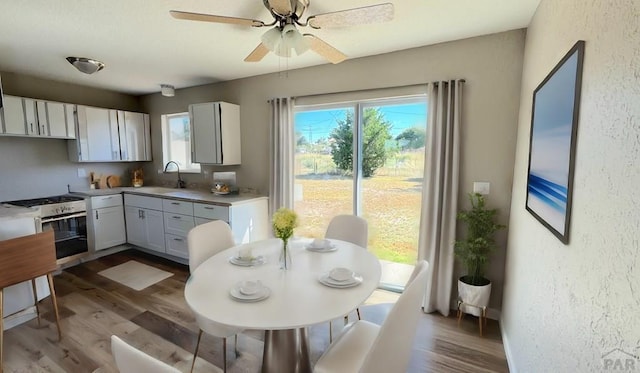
pixel 297 298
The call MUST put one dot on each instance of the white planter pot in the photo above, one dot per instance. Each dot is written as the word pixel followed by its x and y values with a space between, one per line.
pixel 472 295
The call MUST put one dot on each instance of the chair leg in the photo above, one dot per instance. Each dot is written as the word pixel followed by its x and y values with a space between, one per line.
pixel 358 312
pixel 55 304
pixel 195 354
pixel 1 326
pixel 330 332
pixel 224 355
pixel 35 298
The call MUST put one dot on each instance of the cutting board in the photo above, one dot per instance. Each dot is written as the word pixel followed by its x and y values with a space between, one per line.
pixel 113 181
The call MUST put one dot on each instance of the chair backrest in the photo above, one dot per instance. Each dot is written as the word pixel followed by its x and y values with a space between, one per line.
pixel 392 349
pixel 131 360
pixel 206 240
pixel 350 228
pixel 27 257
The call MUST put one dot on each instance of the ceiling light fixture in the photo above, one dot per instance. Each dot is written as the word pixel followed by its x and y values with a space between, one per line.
pixel 167 90
pixel 282 40
pixel 86 65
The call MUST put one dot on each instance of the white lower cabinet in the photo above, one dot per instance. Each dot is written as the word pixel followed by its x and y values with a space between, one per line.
pixel 151 220
pixel 106 223
pixel 145 225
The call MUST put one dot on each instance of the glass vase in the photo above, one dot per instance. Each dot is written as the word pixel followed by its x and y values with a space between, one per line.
pixel 285 256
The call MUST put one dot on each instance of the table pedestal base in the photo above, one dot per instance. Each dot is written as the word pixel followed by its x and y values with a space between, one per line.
pixel 286 351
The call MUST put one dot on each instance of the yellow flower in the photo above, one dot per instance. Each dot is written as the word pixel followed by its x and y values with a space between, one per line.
pixel 284 220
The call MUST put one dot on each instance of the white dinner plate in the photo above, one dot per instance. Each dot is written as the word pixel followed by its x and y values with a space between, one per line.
pixel 325 279
pixel 255 261
pixel 325 249
pixel 263 294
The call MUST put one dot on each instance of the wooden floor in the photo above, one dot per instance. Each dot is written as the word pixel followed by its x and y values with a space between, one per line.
pixel 157 321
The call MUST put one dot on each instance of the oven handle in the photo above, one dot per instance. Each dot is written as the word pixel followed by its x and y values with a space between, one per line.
pixel 49 220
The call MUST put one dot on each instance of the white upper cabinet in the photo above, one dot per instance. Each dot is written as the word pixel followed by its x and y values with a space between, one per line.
pixel 106 135
pixel 135 142
pixel 215 133
pixel 14 123
pixel 37 118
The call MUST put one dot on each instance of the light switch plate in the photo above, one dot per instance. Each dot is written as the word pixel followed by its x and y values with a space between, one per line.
pixel 482 187
pixel 82 173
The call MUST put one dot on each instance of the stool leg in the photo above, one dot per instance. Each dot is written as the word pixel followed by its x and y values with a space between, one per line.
pixel 358 312
pixel 55 304
pixel 330 332
pixel 1 326
pixel 35 298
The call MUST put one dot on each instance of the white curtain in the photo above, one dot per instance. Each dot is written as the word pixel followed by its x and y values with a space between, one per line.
pixel 281 153
pixel 440 192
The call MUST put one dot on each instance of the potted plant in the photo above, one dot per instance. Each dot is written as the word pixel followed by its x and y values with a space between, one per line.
pixel 473 252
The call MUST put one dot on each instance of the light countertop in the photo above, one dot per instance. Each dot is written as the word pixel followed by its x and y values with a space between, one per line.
pixel 191 195
pixel 13 212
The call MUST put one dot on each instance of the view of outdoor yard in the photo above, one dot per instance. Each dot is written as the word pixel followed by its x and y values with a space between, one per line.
pixel 390 193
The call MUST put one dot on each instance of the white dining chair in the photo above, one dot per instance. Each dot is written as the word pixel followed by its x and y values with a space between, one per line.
pixel 203 242
pixel 350 228
pixel 131 360
pixel 366 347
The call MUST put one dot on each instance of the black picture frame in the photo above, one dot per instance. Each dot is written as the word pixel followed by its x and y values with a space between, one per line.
pixel 552 143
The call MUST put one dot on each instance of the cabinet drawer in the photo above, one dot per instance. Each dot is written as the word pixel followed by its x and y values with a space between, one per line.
pixel 178 224
pixel 99 202
pixel 213 212
pixel 176 246
pixel 178 207
pixel 144 202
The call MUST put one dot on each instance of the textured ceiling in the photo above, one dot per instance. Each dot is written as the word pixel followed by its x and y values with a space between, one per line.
pixel 142 46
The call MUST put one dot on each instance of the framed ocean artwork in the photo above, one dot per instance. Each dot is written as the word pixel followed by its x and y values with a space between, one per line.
pixel 552 147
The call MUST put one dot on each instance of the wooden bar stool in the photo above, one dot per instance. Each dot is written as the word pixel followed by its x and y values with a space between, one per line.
pixel 23 259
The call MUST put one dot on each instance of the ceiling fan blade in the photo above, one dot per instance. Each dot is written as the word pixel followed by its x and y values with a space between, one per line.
pixel 325 50
pixel 257 54
pixel 214 18
pixel 282 7
pixel 357 16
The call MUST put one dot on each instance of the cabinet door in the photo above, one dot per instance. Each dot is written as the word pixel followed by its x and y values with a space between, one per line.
pixel 109 227
pixel 95 131
pixel 31 117
pixel 56 117
pixel 14 123
pixel 133 136
pixel 154 229
pixel 136 230
pixel 70 117
pixel 205 132
pixel 42 118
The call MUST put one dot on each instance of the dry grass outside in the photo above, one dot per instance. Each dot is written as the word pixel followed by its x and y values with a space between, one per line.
pixel 391 204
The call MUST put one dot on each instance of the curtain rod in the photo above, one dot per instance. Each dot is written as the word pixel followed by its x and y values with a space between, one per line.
pixel 375 89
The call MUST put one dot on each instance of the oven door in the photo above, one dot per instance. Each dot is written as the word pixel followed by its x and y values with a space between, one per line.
pixel 70 233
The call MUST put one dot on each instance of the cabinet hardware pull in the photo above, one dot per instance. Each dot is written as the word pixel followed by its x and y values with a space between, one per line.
pixel 177 217
pixel 208 208
pixel 175 203
pixel 107 197
pixel 31 126
pixel 96 214
pixel 178 239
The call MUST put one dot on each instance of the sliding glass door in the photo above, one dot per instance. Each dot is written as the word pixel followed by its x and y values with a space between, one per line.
pixel 364 158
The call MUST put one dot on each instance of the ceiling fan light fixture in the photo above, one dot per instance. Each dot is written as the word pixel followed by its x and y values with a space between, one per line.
pixel 167 90
pixel 292 38
pixel 86 65
pixel 271 38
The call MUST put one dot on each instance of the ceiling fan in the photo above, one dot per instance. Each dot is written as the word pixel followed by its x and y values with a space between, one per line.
pixel 284 37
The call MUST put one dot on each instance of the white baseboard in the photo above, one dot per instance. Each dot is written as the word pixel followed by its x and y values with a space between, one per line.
pixel 507 350
pixel 19 317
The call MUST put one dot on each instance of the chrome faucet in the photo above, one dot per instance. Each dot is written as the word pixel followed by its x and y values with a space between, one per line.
pixel 181 183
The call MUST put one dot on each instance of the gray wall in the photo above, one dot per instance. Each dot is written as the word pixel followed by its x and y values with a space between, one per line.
pixel 491 65
pixel 565 306
pixel 31 167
